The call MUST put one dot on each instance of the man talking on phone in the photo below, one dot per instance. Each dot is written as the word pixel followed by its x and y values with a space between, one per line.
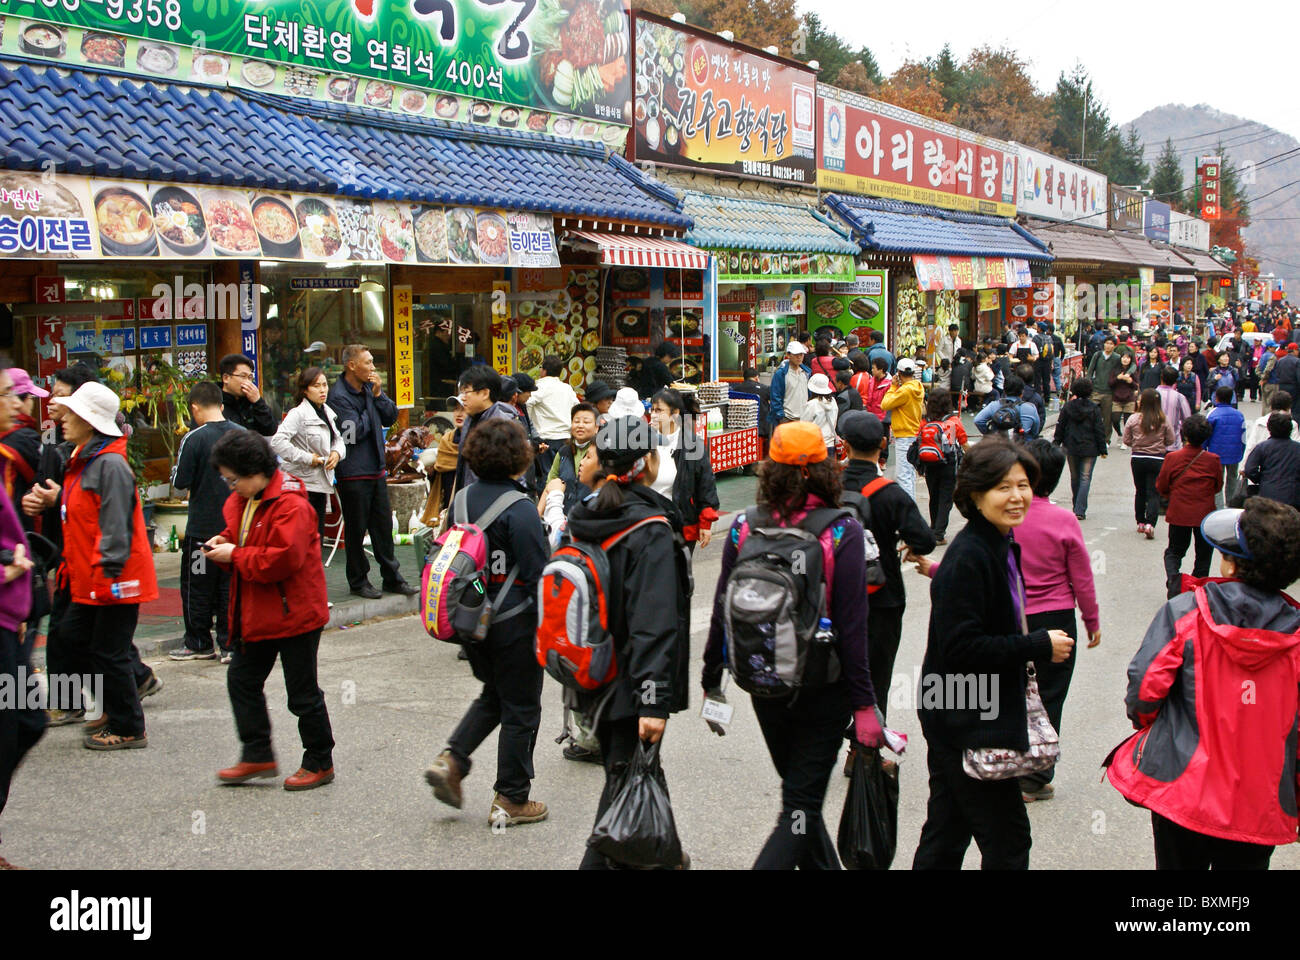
pixel 241 402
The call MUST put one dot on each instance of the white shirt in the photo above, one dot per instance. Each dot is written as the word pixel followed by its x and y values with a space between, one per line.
pixel 549 408
pixel 824 415
pixel 1029 345
pixel 667 476
pixel 796 391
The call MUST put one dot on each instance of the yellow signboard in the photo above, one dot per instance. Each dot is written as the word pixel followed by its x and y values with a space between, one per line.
pixel 502 360
pixel 848 183
pixel 989 300
pixel 403 348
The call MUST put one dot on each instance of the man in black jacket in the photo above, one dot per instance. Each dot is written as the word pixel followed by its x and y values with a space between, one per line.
pixel 1274 464
pixel 1287 369
pixel 242 403
pixel 364 410
pixel 894 517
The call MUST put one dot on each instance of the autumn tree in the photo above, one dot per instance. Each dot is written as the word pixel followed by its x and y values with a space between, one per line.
pixel 1000 100
pixel 913 88
pixel 759 23
pixel 1167 177
pixel 1234 216
pixel 855 77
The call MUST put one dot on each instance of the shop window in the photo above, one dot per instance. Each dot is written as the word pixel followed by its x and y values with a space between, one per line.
pixel 451 332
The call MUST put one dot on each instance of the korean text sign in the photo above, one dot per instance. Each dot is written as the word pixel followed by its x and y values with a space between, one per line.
pixel 1208 171
pixel 704 103
pixel 403 348
pixel 1053 189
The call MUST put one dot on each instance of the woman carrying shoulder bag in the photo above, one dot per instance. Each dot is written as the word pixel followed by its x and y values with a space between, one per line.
pixel 309 442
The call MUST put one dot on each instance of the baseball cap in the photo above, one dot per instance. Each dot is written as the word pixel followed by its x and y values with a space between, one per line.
pixel 23 386
pixel 796 348
pixel 525 383
pixel 798 443
pixel 818 383
pixel 621 441
pixel 316 346
pixel 907 365
pixel 1222 529
pixel 861 430
pixel 454 401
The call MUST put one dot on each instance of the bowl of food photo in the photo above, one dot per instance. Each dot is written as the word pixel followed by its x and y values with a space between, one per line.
pixel 277 226
pixel 43 40
pixel 126 227
pixel 178 219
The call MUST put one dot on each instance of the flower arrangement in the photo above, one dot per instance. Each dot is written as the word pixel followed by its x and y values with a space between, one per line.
pixel 155 396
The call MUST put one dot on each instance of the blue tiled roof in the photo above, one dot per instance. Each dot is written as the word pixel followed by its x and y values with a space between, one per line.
pixel 893 226
pixel 729 223
pixel 89 124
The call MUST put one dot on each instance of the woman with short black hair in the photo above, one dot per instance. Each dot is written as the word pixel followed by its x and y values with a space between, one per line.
pixel 309 442
pixel 1079 429
pixel 978 627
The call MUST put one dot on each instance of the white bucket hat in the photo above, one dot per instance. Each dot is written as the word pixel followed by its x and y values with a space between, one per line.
pixel 626 404
pixel 818 383
pixel 97 405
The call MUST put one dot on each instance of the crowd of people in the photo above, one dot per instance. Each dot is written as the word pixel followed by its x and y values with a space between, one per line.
pixel 591 511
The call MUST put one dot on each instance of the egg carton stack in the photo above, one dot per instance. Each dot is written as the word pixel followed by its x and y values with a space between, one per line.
pixel 742 414
pixel 611 366
pixel 713 393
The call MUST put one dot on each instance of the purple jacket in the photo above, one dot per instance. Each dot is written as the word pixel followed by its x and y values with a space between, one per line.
pixel 1176 410
pixel 15 596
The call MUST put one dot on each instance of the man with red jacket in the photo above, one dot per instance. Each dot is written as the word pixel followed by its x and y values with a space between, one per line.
pixel 278 606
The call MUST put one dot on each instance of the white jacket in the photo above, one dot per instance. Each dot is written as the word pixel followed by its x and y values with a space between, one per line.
pixel 823 415
pixel 549 408
pixel 1257 433
pixel 982 379
pixel 302 435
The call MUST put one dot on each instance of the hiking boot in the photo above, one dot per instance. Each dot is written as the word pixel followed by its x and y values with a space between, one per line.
pixel 575 752
pixel 511 813
pixel 103 740
pixel 149 687
pixel 188 654
pixel 444 775
pixel 244 771
pixel 59 718
pixel 1043 791
pixel 306 779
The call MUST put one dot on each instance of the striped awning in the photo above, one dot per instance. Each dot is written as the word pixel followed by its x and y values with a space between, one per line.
pixel 632 251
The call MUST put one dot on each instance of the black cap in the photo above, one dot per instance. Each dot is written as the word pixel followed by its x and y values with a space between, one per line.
pixel 621 441
pixel 599 390
pixel 525 383
pixel 509 387
pixel 841 363
pixel 861 430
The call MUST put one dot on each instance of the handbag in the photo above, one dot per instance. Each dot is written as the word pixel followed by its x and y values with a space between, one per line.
pixel 1164 501
pixel 1003 763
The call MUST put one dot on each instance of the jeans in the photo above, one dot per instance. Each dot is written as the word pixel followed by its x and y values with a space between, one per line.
pixel 905 475
pixel 511 699
pixel 1229 486
pixel 1053 679
pixel 1056 374
pixel 803 736
pixel 1080 481
pixel 20 728
pixel 940 481
pixel 205 596
pixel 366 509
pixel 246 684
pixel 1180 538
pixel 884 634
pixel 1178 848
pixel 961 808
pixel 101 637
pixel 1146 502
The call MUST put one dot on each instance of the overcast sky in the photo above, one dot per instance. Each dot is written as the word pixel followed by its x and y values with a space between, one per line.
pixel 1140 54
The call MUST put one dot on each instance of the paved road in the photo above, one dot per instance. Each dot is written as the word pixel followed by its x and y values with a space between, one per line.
pixel 394 695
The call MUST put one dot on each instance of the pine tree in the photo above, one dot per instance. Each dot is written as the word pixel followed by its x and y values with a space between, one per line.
pixel 947 76
pixel 1121 159
pixel 1082 122
pixel 872 68
pixel 1231 198
pixel 1166 181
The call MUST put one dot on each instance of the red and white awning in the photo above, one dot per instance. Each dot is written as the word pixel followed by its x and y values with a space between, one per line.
pixel 626 250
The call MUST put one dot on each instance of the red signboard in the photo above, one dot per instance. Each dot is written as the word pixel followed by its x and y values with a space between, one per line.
pixel 735 448
pixel 1208 171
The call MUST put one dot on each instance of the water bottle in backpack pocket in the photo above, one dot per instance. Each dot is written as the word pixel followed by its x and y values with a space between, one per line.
pixel 775 600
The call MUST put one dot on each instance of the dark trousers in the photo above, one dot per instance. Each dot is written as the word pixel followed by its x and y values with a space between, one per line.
pixel 803 736
pixel 205 596
pixel 1080 481
pixel 1043 379
pixel 20 728
pixel 1146 502
pixel 618 742
pixel 320 503
pixel 884 633
pixel 366 508
pixel 1178 848
pixel 940 481
pixel 511 699
pixel 1053 679
pixel 1180 538
pixel 101 639
pixel 246 683
pixel 1107 403
pixel 60 651
pixel 960 807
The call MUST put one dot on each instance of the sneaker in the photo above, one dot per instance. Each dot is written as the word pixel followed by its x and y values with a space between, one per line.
pixel 149 687
pixel 188 654
pixel 103 740
pixel 575 752
pixel 1142 528
pixel 444 776
pixel 1081 517
pixel 1151 532
pixel 59 718
pixel 1044 792
pixel 511 813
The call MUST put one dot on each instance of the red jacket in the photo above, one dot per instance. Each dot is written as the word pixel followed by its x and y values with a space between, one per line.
pixel 1192 496
pixel 104 537
pixel 872 392
pixel 823 365
pixel 1214 693
pixel 277 586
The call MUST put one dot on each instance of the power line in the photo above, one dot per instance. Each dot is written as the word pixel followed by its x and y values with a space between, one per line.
pixel 1197 136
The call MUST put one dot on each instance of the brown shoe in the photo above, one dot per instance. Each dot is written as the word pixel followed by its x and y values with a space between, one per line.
pixel 511 813
pixel 444 776
pixel 97 724
pixel 243 771
pixel 306 779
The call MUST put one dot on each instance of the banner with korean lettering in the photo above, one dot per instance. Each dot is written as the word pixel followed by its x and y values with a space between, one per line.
pixel 1208 172
pixel 1155 220
pixel 562 55
pixel 701 102
pixel 1054 189
pixel 970 273
pixel 403 348
pixel 1185 231
pixel 878 149
pixel 1125 209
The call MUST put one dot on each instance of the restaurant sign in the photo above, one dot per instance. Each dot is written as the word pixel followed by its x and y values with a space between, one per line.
pixel 72 217
pixel 563 55
pixel 746 266
pixel 1053 189
pixel 970 273
pixel 1125 209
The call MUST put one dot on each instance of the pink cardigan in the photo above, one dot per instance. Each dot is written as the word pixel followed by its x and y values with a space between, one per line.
pixel 1055 563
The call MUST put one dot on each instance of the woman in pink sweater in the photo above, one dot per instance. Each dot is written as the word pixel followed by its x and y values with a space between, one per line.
pixel 1058 577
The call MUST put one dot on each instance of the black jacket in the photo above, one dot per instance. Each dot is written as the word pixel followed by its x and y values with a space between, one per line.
pixel 975 638
pixel 1288 373
pixel 517 536
pixel 694 489
pixel 251 416
pixel 756 389
pixel 1030 395
pixel 654 376
pixel 54 463
pixel 1274 464
pixel 574 489
pixel 368 415
pixel 894 517
pixel 848 399
pixel 1079 429
pixel 649 609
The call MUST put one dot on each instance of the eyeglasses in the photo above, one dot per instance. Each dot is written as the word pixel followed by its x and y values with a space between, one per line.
pixel 230 481
pixel 241 376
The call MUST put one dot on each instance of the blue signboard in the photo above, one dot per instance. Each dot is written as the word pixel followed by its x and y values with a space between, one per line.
pixel 191 335
pixel 248 307
pixel 155 338
pixel 114 341
pixel 1155 220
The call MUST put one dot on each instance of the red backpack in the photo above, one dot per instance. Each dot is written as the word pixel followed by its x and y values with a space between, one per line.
pixel 573 639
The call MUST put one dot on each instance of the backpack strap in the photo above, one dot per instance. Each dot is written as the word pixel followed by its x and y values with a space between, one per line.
pixel 497 507
pixel 657 518
pixel 875 485
pixel 459 508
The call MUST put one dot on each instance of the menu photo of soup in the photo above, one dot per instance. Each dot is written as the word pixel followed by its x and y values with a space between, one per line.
pixel 230 223
pixel 124 218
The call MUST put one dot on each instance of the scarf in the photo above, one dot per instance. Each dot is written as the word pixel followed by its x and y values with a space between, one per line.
pixel 320 412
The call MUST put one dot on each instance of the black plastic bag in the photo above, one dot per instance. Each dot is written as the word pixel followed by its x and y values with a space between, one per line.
pixel 638 829
pixel 868 833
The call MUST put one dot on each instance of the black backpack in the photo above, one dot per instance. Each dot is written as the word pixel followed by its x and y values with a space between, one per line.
pixel 861 503
pixel 775 597
pixel 1006 419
